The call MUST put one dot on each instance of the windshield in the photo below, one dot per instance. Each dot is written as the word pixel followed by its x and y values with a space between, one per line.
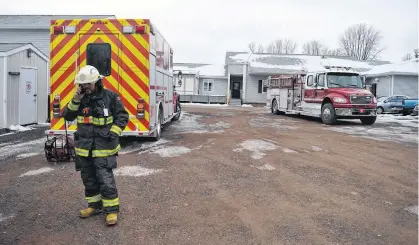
pixel 382 99
pixel 343 80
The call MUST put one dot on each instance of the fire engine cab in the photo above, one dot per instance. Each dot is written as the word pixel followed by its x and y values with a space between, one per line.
pixel 330 94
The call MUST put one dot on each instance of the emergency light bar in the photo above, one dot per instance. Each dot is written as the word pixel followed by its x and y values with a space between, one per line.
pixel 64 29
pixel 134 29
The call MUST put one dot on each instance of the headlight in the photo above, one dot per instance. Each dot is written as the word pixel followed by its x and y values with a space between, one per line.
pixel 339 100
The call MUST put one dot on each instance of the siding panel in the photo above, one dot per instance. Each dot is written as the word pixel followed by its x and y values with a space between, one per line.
pixel 235 69
pixel 39 38
pixel 252 94
pixel 406 85
pixel 2 100
pixel 219 86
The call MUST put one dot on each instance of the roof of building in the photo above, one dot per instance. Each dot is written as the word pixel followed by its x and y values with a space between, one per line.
pixel 261 63
pixel 205 70
pixel 4 47
pixel 409 67
pixel 7 49
pixel 39 21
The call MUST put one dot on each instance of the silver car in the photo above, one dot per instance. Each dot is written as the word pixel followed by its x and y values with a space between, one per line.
pixel 390 104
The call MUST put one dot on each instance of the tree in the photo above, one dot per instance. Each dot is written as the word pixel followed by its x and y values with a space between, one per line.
pixel 314 47
pixel 407 57
pixel 361 42
pixel 260 48
pixel 282 46
pixel 252 47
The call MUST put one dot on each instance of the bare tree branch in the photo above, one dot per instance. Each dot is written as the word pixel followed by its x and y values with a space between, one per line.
pixel 252 47
pixel 260 48
pixel 407 57
pixel 361 42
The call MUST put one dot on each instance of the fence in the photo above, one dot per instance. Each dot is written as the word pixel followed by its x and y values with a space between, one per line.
pixel 219 99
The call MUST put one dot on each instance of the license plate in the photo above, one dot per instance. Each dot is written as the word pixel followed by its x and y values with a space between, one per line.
pixel 361 110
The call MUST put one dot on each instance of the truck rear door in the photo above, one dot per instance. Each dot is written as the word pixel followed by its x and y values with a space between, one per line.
pixel 99 46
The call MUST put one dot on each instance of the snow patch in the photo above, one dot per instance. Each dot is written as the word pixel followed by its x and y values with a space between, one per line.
pixel 204 105
pixel 279 124
pixel 145 147
pixel 266 167
pixel 36 172
pixel 286 150
pixel 26 155
pixel 6 217
pixel 19 128
pixel 316 148
pixel 412 209
pixel 172 151
pixel 257 147
pixel 189 123
pixel 6 134
pixel 135 171
pixel 246 105
pixel 27 147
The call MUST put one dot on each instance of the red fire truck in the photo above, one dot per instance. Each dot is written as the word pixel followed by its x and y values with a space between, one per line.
pixel 330 94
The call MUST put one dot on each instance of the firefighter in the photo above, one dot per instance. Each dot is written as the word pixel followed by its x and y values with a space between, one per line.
pixel 101 117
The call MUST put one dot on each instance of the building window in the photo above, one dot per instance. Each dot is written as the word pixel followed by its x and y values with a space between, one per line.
pixel 208 85
pixel 99 56
pixel 262 88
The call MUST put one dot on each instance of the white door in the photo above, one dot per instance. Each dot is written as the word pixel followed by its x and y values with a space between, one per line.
pixel 27 96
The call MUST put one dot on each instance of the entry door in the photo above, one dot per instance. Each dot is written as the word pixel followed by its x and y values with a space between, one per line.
pixel 236 90
pixel 27 96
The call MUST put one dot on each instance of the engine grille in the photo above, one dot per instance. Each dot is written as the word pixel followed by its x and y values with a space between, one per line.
pixel 361 99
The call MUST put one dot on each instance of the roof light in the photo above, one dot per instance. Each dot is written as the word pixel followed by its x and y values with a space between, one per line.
pixel 58 29
pixel 69 29
pixel 140 29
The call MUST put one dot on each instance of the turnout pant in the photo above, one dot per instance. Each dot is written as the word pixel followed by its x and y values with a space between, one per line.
pixel 99 182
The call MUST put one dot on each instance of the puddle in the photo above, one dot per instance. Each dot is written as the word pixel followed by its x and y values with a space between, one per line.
pixel 189 123
pixel 280 124
pixel 172 151
pixel 144 147
pixel 257 147
pixel 34 146
pixel 135 171
pixel 37 172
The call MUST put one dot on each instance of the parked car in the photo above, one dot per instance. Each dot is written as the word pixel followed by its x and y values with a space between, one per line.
pixel 415 111
pixel 391 104
pixel 408 105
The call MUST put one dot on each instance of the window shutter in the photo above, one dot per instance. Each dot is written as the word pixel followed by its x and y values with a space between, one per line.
pixel 260 87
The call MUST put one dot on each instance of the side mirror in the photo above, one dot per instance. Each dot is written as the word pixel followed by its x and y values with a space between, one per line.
pixel 179 83
pixel 315 84
pixel 385 101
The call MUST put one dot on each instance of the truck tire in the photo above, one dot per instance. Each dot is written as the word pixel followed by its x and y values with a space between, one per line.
pixel 178 111
pixel 274 109
pixel 328 114
pixel 157 133
pixel 368 120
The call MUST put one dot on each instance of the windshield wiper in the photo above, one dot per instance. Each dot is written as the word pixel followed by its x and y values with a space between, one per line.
pixel 335 84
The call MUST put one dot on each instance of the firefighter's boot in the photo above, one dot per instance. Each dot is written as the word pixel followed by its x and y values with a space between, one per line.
pixel 85 213
pixel 111 219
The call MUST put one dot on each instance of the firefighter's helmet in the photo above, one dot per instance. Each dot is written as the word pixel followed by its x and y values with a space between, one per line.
pixel 87 74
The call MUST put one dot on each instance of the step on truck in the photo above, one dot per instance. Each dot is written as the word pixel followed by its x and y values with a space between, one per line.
pixel 135 60
pixel 330 94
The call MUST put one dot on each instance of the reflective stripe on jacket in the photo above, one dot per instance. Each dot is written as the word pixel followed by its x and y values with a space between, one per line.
pixel 101 118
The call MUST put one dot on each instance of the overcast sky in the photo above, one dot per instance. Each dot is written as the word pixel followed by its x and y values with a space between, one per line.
pixel 203 30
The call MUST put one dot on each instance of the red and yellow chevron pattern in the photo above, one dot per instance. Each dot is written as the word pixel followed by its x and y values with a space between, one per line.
pixel 129 67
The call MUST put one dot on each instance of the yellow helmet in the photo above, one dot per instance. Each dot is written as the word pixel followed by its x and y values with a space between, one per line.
pixel 87 74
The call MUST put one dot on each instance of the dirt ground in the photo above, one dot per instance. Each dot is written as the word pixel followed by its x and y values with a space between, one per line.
pixel 228 176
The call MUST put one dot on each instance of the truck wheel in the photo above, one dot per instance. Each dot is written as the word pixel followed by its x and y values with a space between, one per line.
pixel 178 110
pixel 274 109
pixel 368 120
pixel 157 133
pixel 380 110
pixel 328 114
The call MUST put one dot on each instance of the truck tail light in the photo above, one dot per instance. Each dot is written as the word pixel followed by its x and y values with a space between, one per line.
pixel 140 108
pixel 56 106
pixel 64 29
pixel 134 29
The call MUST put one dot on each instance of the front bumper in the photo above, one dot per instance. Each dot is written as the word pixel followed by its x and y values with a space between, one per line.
pixel 355 112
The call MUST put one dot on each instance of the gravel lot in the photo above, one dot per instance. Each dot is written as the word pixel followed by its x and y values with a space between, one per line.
pixel 226 175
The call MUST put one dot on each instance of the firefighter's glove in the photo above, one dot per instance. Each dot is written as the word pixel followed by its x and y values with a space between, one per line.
pixel 78 95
